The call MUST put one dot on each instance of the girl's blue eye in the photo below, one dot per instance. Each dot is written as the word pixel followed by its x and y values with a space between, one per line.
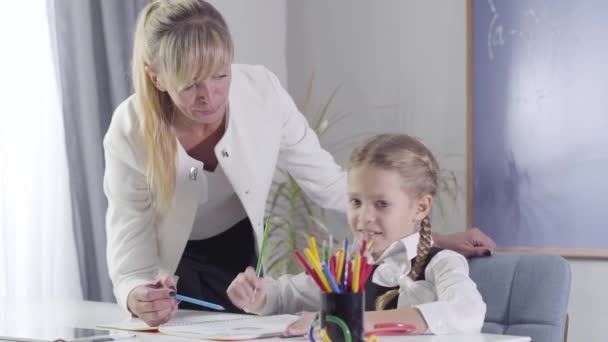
pixel 381 204
pixel 355 202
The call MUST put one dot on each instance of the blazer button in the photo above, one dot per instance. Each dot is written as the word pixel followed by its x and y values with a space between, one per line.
pixel 224 153
pixel 193 173
pixel 246 192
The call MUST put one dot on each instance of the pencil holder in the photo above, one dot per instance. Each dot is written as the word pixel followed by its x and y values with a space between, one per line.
pixel 348 307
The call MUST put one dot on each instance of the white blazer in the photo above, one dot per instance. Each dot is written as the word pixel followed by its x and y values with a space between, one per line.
pixel 264 128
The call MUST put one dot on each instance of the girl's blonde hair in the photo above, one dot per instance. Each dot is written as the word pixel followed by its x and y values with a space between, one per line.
pixel 181 41
pixel 419 171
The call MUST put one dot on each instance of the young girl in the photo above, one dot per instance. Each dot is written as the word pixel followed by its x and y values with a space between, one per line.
pixel 392 179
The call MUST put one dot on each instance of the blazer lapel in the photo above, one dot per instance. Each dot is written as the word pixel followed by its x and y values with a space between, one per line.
pixel 177 226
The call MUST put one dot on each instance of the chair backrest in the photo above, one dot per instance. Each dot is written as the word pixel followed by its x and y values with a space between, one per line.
pixel 525 294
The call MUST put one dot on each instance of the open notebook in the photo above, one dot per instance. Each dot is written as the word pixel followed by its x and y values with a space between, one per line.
pixel 216 326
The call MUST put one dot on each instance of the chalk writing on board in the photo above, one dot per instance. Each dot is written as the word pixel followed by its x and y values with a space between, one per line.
pixel 540 117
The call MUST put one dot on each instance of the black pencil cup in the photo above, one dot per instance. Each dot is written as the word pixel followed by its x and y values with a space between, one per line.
pixel 349 308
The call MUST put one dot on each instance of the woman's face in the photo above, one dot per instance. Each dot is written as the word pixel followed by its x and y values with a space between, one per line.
pixel 204 101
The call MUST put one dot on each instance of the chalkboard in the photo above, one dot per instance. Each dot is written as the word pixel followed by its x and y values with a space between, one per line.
pixel 539 123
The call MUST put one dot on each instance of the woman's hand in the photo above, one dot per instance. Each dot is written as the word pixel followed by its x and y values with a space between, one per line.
pixel 300 326
pixel 241 291
pixel 154 303
pixel 470 243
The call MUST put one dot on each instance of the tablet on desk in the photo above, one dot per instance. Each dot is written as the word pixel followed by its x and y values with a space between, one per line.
pixel 46 334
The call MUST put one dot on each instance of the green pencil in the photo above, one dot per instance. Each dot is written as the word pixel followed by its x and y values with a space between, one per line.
pixel 258 269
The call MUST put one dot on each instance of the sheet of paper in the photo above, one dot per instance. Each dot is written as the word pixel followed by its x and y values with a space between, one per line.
pixel 233 328
pixel 184 317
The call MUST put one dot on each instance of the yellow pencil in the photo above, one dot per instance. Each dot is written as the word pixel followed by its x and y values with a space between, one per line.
pixel 317 268
pixel 313 248
pixel 340 265
pixel 371 242
pixel 325 336
pixel 356 272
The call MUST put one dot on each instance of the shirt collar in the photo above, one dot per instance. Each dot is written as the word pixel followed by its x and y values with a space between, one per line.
pixel 404 249
pixel 396 261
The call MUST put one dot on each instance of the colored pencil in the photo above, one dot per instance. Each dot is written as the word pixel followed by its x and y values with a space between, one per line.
pixel 356 273
pixel 310 271
pixel 340 266
pixel 345 265
pixel 199 302
pixel 363 247
pixel 317 267
pixel 258 269
pixel 313 248
pixel 330 278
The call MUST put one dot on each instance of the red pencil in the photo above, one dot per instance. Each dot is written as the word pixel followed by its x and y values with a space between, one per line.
pixel 349 284
pixel 332 266
pixel 366 270
pixel 363 247
pixel 362 271
pixel 310 271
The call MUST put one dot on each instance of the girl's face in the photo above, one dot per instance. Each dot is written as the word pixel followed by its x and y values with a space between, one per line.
pixel 379 207
pixel 204 101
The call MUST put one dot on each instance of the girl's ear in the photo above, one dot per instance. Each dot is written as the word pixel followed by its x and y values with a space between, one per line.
pixel 423 207
pixel 155 80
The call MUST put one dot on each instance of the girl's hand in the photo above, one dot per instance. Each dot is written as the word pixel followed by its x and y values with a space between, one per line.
pixel 241 291
pixel 300 326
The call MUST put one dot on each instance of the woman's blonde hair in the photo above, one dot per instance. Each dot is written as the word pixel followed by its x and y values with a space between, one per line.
pixel 180 41
pixel 419 171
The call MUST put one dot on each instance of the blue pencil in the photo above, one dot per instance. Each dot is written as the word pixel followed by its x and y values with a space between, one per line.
pixel 330 278
pixel 199 302
pixel 343 278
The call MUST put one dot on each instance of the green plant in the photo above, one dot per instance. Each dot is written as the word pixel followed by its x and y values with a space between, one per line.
pixel 294 216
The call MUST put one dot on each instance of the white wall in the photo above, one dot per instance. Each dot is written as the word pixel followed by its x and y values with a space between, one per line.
pixel 258 29
pixel 402 66
pixel 588 307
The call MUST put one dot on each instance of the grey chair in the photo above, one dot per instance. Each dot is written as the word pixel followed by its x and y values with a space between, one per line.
pixel 526 294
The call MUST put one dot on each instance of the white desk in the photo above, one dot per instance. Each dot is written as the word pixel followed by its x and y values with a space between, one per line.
pixel 83 314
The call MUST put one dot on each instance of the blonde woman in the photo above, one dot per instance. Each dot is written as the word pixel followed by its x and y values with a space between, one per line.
pixel 190 159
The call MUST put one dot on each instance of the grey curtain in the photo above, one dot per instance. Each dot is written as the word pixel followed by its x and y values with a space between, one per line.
pixel 93 49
